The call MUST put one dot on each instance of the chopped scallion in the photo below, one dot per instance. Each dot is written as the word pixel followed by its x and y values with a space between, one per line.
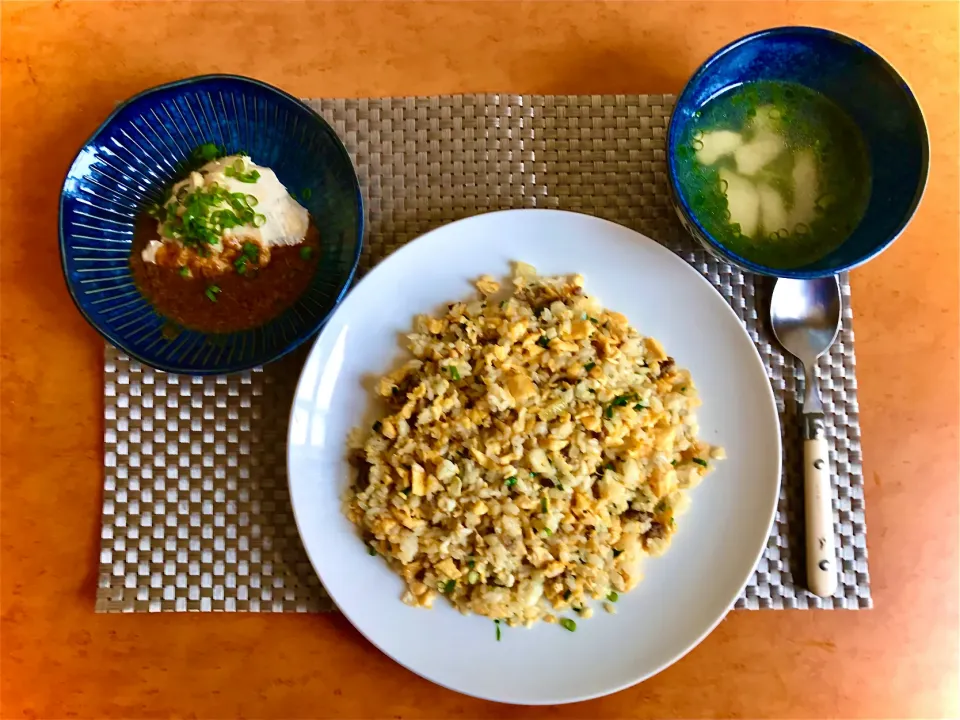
pixel 211 292
pixel 613 596
pixel 306 252
pixel 544 341
pixel 589 366
pixel 454 373
pixel 568 624
pixel 496 624
pixel 700 461
pixel 184 272
pixel 207 152
pixel 511 481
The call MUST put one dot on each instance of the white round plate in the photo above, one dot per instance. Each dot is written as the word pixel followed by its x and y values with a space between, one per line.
pixel 684 594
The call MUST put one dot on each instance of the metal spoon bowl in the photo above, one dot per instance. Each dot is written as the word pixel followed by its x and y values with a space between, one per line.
pixel 805 316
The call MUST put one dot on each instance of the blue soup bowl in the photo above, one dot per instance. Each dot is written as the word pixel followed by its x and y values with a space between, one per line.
pixel 859 81
pixel 134 157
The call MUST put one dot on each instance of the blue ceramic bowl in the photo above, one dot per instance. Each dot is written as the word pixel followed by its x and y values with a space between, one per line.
pixel 859 81
pixel 139 151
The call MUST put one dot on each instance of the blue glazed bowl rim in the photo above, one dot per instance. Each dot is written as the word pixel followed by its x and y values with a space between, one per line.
pixel 742 262
pixel 238 366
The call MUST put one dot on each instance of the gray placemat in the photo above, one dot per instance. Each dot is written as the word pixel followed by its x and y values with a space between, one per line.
pixel 196 513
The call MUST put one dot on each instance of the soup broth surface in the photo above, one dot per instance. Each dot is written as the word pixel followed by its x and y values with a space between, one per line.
pixel 776 172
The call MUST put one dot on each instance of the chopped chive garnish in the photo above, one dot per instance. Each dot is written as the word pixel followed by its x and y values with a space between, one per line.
pixel 207 152
pixel 683 389
pixel 211 293
pixel 638 406
pixel 547 531
pixel 566 595
pixel 405 491
pixel 371 551
pixel 511 481
pixel 503 303
pixel 544 341
pixel 609 466
pixel 609 411
pixel 617 553
pixel 673 462
pixel 306 193
pixel 613 597
pixel 700 461
pixel 589 366
pixel 449 586
pixel 496 624
pixel 471 563
pixel 454 373
pixel 594 321
pixel 238 172
pixel 544 504
pixel 306 252
pixel 259 220
pixel 661 506
pixel 568 624
pixel 377 425
pixel 184 272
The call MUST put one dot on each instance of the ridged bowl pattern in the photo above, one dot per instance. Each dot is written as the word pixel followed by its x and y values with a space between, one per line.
pixel 142 149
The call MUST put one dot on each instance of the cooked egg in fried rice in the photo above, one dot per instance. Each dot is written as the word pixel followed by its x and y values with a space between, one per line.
pixel 534 449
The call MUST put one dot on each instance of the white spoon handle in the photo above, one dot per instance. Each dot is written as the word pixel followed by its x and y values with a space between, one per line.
pixel 821 548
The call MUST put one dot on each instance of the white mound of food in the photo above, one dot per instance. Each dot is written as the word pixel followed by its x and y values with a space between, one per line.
pixel 533 450
pixel 282 220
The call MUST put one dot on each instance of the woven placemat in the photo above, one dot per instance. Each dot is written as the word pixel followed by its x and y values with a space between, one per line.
pixel 196 512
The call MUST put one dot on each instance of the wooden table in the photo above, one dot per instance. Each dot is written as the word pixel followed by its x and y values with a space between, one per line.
pixel 65 65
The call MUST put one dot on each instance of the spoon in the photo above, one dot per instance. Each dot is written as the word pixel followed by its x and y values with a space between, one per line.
pixel 805 315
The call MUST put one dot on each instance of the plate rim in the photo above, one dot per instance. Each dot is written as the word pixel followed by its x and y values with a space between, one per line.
pixel 769 395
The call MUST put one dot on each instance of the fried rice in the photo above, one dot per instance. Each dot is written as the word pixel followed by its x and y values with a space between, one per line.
pixel 533 451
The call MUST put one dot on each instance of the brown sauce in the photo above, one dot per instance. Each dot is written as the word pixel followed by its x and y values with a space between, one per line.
pixel 242 302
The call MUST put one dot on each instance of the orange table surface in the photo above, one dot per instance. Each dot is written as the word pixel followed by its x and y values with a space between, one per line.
pixel 65 65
